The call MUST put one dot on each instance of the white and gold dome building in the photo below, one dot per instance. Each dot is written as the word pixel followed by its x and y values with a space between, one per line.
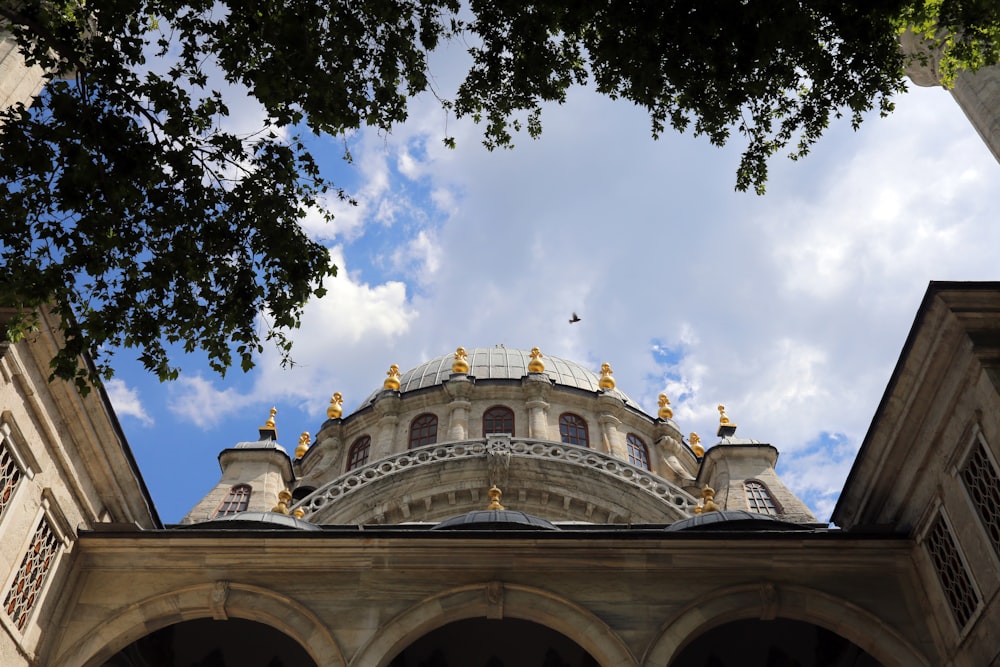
pixel 497 508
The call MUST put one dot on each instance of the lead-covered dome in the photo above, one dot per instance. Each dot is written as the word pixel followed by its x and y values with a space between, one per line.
pixel 498 363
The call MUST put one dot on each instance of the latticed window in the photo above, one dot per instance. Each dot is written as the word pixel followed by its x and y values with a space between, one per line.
pixel 981 481
pixel 573 429
pixel 955 580
pixel 498 419
pixel 423 431
pixel 357 455
pixel 237 501
pixel 759 498
pixel 638 454
pixel 35 566
pixel 10 475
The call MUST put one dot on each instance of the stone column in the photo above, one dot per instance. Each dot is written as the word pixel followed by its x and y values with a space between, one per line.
pixel 537 387
pixel 387 409
pixel 459 387
pixel 612 439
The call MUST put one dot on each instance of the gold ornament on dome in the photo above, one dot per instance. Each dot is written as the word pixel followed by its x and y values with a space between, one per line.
pixel 494 494
pixel 303 447
pixel 665 412
pixel 536 365
pixel 696 447
pixel 723 419
pixel 709 505
pixel 298 512
pixel 269 424
pixel 607 382
pixel 392 382
pixel 283 499
pixel 461 364
pixel 336 407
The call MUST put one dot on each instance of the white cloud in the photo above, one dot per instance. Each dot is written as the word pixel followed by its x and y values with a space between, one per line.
pixel 196 400
pixel 126 401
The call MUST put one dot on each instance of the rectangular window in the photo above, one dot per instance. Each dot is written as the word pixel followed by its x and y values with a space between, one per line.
pixel 27 585
pixel 979 476
pixel 10 474
pixel 962 596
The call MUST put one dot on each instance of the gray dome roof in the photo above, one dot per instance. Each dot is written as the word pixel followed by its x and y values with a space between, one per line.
pixel 491 520
pixel 498 363
pixel 740 520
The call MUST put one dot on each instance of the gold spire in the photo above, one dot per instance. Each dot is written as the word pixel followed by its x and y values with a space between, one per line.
pixel 696 447
pixel 461 364
pixel 495 494
pixel 536 365
pixel 392 381
pixel 708 504
pixel 283 497
pixel 665 411
pixel 607 382
pixel 726 427
pixel 303 447
pixel 268 431
pixel 336 407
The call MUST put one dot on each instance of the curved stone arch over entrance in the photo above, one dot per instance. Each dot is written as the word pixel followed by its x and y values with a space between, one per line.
pixel 496 600
pixel 220 600
pixel 768 601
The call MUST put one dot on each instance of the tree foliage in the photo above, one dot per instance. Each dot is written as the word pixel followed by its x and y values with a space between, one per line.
pixel 129 204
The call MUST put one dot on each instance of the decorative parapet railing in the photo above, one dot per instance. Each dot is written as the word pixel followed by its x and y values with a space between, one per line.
pixel 497 451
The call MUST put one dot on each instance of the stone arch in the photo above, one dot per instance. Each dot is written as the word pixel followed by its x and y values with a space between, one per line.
pixel 768 601
pixel 496 600
pixel 219 600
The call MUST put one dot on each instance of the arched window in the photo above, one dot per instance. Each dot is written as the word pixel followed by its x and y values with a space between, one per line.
pixel 498 419
pixel 638 453
pixel 357 455
pixel 423 431
pixel 237 501
pixel 573 429
pixel 759 498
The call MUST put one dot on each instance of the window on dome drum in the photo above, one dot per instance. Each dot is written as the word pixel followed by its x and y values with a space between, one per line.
pixel 573 429
pixel 423 431
pixel 498 419
pixel 357 456
pixel 638 453
pixel 24 590
pixel 237 501
pixel 10 475
pixel 979 475
pixel 759 498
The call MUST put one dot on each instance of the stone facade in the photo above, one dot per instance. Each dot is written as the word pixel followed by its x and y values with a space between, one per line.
pixel 597 558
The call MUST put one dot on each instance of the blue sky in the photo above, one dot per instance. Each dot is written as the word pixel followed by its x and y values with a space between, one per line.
pixel 790 308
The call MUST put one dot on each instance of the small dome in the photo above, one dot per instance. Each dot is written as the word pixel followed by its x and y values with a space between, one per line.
pixel 738 520
pixel 255 520
pixel 498 363
pixel 494 520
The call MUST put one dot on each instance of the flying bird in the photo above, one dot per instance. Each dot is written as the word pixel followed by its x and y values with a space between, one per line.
pixel 574 319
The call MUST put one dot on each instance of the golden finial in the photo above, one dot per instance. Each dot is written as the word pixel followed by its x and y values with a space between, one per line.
pixel 696 447
pixel 303 447
pixel 268 431
pixel 708 493
pixel 283 497
pixel 336 407
pixel 392 382
pixel 536 365
pixel 298 512
pixel 726 427
pixel 607 382
pixel 665 412
pixel 461 364
pixel 495 494
pixel 698 509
